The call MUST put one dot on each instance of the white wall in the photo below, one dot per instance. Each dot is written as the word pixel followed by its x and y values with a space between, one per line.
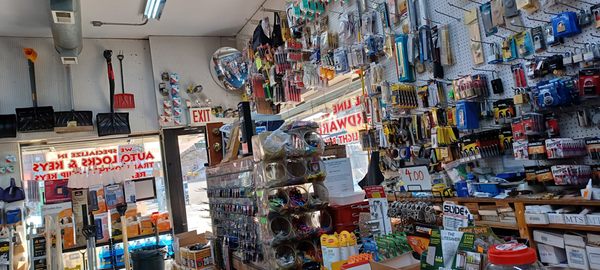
pixel 190 58
pixel 90 83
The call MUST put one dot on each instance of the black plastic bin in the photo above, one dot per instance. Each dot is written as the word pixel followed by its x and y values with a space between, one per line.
pixel 148 258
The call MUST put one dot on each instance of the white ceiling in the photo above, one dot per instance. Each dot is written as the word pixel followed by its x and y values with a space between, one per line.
pixel 30 18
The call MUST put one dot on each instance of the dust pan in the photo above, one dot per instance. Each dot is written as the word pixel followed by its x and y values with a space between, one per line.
pixel 72 121
pixel 34 118
pixel 112 123
pixel 8 126
pixel 123 100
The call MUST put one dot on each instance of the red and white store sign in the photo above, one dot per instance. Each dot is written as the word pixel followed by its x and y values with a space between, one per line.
pixel 63 164
pixel 342 126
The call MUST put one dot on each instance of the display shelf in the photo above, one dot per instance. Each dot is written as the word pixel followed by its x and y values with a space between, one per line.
pixel 497 225
pixel 139 237
pixel 528 201
pixel 570 227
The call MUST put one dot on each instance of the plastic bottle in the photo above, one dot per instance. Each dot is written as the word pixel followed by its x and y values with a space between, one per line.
pixel 332 253
pixel 344 245
pixel 353 244
pixel 511 256
pixel 471 179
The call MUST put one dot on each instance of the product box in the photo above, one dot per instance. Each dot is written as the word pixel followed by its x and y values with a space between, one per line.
pixel 79 198
pixel 114 196
pixel 555 218
pixel 56 191
pixel 184 240
pixel 146 226
pixel 577 257
pixel 576 219
pixel 593 219
pixel 97 202
pixel 549 238
pixel 593 254
pixel 101 222
pixel 536 218
pixel 574 240
pixel 550 254
pixel 67 226
pixel 402 262
pixel 201 259
pixel 115 225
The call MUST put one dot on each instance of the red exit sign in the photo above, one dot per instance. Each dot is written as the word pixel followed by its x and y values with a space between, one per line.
pixel 200 116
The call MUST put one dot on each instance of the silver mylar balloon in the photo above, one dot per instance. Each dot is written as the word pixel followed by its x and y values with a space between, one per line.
pixel 229 69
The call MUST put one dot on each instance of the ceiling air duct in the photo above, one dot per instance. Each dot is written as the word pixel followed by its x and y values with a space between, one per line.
pixel 66 29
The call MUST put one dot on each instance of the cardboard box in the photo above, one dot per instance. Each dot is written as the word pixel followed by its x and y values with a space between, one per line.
pixel 535 218
pixel 184 240
pixel 552 255
pixel 574 240
pixel 201 259
pixel 593 219
pixel 577 258
pixel 402 262
pixel 593 254
pixel 577 219
pixel 555 218
pixel 549 238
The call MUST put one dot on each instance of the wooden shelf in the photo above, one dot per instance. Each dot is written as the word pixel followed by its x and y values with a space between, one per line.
pixel 497 225
pixel 570 227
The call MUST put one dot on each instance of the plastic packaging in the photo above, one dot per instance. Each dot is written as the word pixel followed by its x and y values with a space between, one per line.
pixel 512 256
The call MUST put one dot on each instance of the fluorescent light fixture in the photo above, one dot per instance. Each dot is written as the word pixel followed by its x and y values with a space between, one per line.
pixel 154 9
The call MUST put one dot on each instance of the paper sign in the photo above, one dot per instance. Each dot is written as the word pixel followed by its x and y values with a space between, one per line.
pixel 415 178
pixel 456 216
pixel 200 116
pixel 375 192
pixel 339 176
pixel 450 242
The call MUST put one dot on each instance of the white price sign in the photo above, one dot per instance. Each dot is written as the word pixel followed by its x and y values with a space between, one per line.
pixel 415 178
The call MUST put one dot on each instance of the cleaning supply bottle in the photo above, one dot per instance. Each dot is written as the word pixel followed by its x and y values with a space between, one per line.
pixel 353 244
pixel 344 245
pixel 332 253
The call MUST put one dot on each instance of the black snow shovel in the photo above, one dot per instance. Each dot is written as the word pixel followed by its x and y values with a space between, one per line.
pixel 8 126
pixel 34 118
pixel 112 123
pixel 72 121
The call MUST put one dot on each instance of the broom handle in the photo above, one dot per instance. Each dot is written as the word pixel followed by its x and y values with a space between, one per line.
pixel 70 85
pixel 111 78
pixel 32 81
pixel 120 57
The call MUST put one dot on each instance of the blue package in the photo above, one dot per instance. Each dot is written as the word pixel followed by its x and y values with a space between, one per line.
pixel 467 115
pixel 405 70
pixel 565 24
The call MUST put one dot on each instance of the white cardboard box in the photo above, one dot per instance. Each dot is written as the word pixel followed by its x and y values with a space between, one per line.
pixel 549 238
pixel 555 218
pixel 593 219
pixel 574 240
pixel 577 258
pixel 593 254
pixel 552 255
pixel 577 219
pixel 533 218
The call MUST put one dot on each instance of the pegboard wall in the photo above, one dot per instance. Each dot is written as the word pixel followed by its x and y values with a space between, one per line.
pixel 451 13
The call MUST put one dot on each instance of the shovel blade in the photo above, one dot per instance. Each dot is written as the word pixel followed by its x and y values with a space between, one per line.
pixel 73 121
pixel 35 119
pixel 8 126
pixel 124 101
pixel 113 124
